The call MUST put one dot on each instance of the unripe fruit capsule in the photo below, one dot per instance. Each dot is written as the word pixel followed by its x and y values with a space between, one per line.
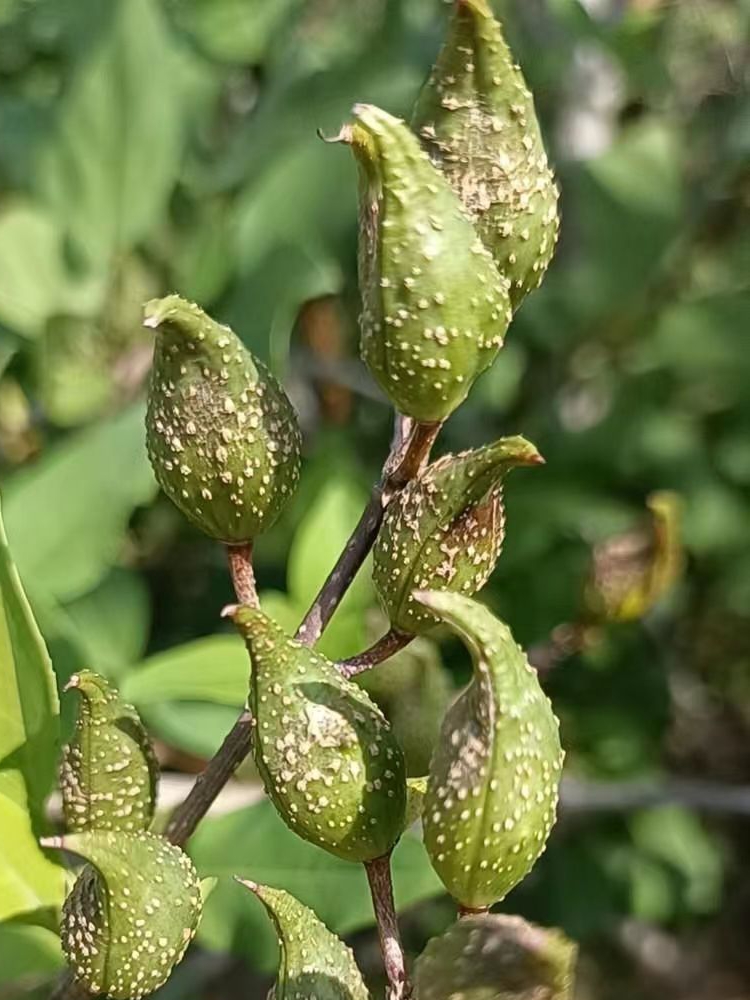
pixel 132 911
pixel 493 782
pixel 434 306
pixel 445 529
pixel 109 774
pixel 222 436
pixel 475 116
pixel 326 753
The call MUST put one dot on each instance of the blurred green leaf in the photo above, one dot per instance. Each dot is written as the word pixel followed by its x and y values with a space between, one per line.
pixel 256 844
pixel 109 168
pixel 28 955
pixel 196 727
pixel 681 869
pixel 216 669
pixel 110 623
pixel 92 481
pixel 28 750
pixel 319 540
pixel 233 30
pixel 35 282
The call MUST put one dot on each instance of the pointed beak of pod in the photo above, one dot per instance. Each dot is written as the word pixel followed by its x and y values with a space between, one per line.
pixel 244 617
pixel 248 884
pixel 518 451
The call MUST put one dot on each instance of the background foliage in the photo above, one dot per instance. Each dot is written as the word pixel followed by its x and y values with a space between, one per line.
pixel 156 145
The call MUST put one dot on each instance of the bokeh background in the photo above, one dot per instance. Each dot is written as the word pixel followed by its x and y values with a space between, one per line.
pixel 156 145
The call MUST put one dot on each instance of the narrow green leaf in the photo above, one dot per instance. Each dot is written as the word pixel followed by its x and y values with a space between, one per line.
pixel 496 957
pixel 28 749
pixel 314 964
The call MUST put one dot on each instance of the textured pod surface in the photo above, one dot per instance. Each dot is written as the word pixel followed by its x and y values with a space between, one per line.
pixel 445 530
pixel 222 436
pixel 631 572
pixel 131 913
pixel 314 964
pixel 494 777
pixel 434 307
pixel 326 753
pixel 109 774
pixel 496 957
pixel 475 116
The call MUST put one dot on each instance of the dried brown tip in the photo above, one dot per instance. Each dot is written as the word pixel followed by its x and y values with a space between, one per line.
pixel 252 886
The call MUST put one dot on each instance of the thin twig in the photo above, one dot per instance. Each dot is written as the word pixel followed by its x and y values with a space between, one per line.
pixel 381 889
pixel 383 649
pixel 238 741
pixel 209 783
pixel 409 453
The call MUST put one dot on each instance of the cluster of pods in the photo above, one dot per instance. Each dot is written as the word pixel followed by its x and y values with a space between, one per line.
pixel 458 222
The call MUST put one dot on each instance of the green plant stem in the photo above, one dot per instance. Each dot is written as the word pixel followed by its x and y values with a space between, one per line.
pixel 391 948
pixel 383 649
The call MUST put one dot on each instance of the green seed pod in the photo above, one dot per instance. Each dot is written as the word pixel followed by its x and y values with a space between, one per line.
pixel 631 572
pixel 222 436
pixel 131 913
pixel 475 116
pixel 445 529
pixel 109 773
pixel 496 957
pixel 434 307
pixel 314 964
pixel 494 776
pixel 326 753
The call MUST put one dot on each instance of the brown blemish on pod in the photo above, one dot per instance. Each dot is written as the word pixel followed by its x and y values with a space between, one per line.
pixel 475 117
pixel 109 774
pixel 445 530
pixel 493 784
pixel 132 911
pixel 326 753
pixel 222 436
